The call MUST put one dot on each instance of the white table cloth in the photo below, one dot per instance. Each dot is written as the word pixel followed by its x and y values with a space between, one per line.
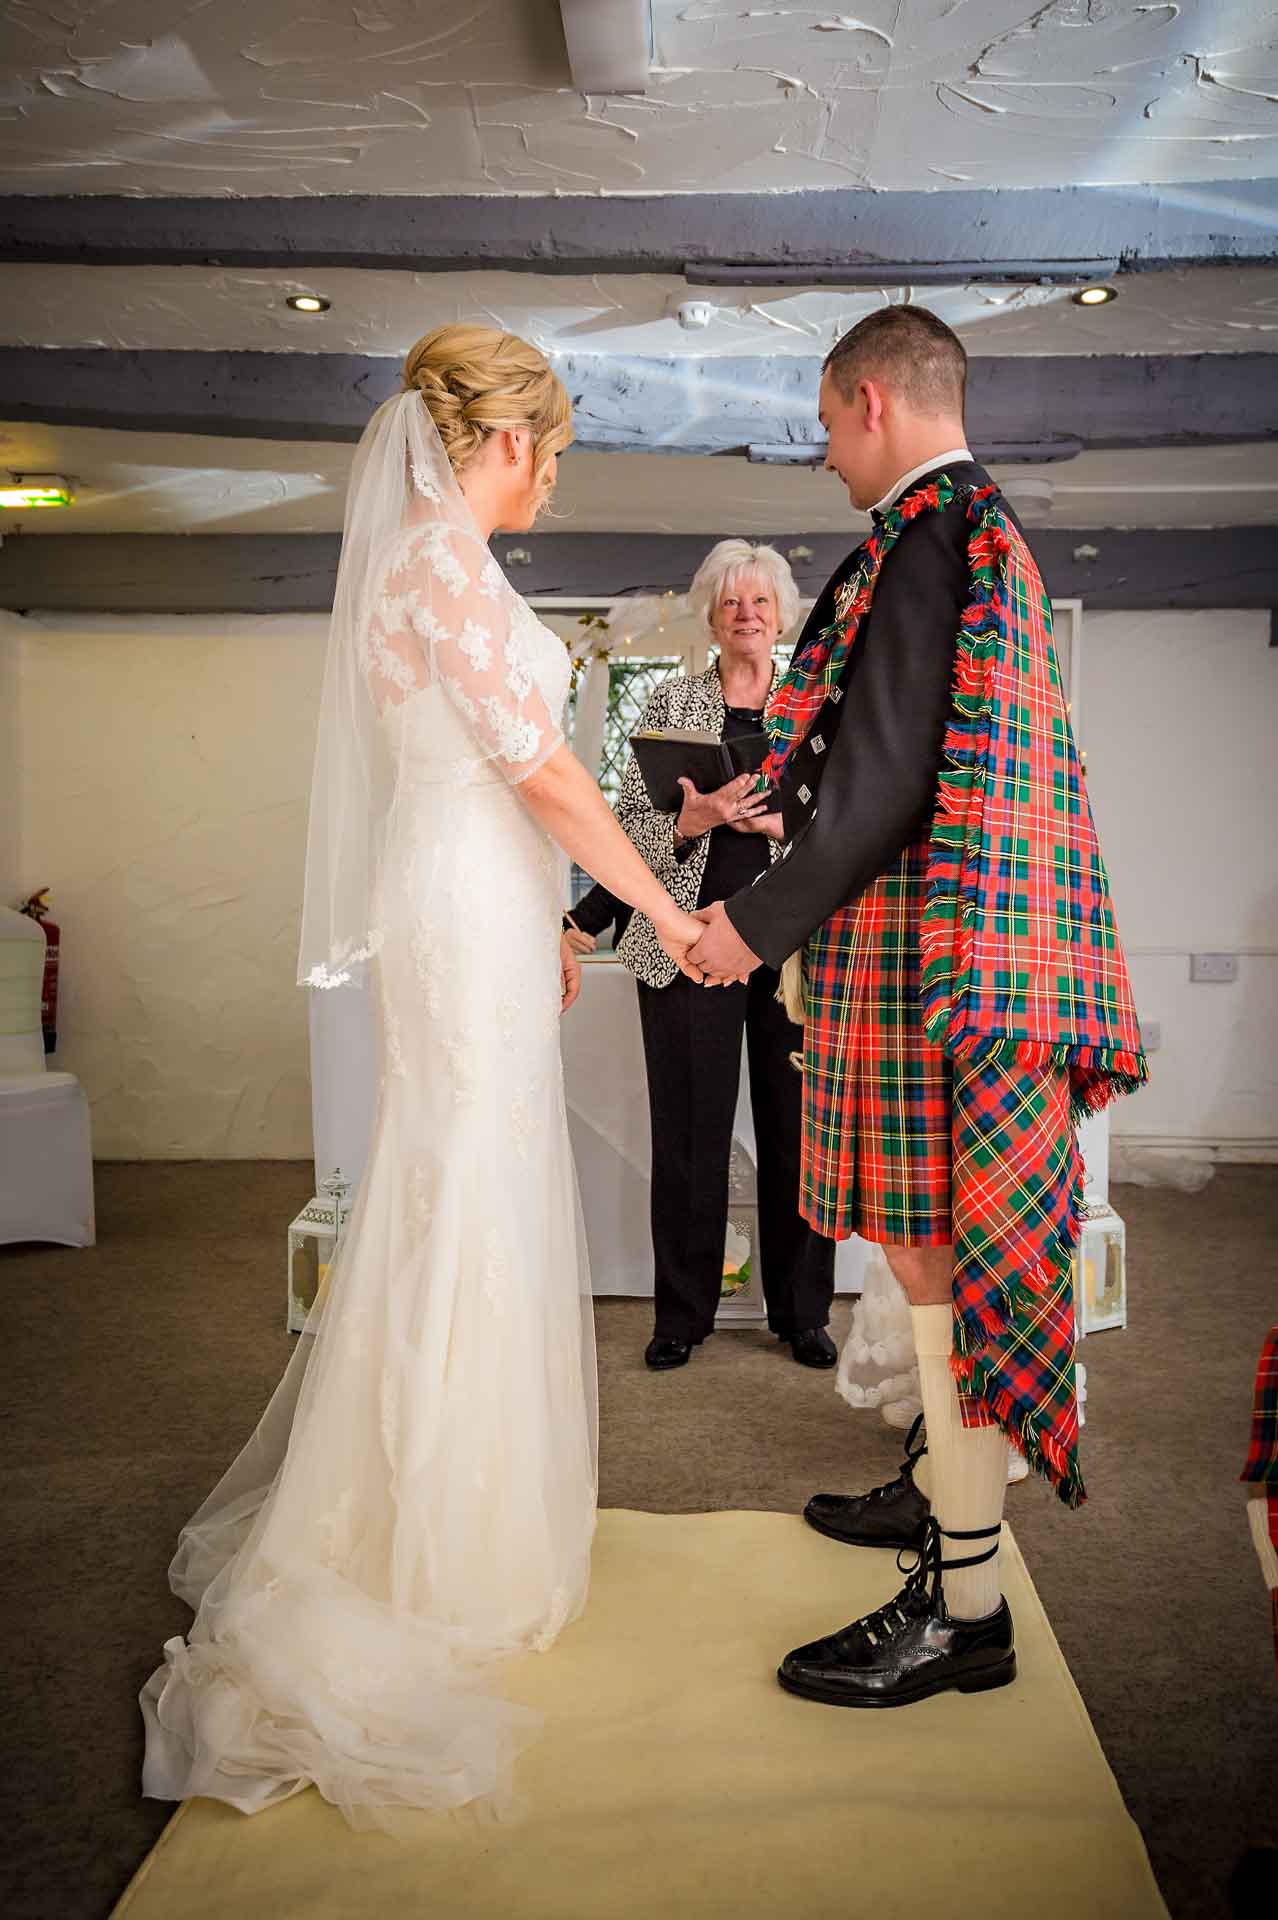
pixel 607 1095
pixel 343 1080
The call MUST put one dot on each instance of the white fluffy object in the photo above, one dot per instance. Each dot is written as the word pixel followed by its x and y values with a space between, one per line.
pixel 878 1363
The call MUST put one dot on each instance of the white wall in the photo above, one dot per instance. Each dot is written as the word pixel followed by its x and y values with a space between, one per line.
pixel 164 768
pixel 1180 721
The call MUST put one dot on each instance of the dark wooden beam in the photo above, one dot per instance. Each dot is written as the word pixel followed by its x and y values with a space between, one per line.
pixel 649 405
pixel 294 573
pixel 990 230
pixel 256 396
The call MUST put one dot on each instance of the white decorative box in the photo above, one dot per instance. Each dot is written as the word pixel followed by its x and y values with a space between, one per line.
pixel 1100 1270
pixel 741 1302
pixel 312 1241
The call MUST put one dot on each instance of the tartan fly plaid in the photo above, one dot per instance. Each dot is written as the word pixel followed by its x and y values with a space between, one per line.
pixel 1021 954
pixel 1018 1194
pixel 1024 985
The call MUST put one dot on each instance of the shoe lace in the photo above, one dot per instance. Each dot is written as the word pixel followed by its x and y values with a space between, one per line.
pixel 922 1590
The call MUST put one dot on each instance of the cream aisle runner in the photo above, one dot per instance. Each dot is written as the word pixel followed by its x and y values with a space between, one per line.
pixel 674 1778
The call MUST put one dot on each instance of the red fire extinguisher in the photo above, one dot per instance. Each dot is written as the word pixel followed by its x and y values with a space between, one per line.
pixel 38 908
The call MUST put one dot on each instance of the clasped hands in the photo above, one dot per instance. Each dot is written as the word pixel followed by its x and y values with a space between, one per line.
pixel 705 945
pixel 720 957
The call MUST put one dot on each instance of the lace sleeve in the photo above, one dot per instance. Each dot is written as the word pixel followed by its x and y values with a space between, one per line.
pixel 447 617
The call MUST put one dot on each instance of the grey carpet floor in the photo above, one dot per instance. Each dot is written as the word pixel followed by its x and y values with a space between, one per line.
pixel 136 1369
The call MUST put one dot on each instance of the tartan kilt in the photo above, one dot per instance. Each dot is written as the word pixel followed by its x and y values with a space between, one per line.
pixel 899 1149
pixel 877 1094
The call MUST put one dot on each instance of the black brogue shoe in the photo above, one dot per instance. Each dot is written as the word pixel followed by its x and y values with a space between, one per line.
pixel 911 1648
pixel 888 1516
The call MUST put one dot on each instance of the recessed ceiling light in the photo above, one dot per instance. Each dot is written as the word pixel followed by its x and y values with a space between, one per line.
pixel 26 490
pixel 1093 296
pixel 308 303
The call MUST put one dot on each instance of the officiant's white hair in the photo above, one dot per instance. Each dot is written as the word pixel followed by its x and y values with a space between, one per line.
pixel 732 561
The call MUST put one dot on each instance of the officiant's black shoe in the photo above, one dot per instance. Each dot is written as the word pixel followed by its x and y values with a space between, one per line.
pixel 814 1348
pixel 661 1355
pixel 911 1648
pixel 888 1516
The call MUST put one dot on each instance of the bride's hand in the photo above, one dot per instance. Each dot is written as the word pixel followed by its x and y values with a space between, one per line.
pixel 569 975
pixel 677 932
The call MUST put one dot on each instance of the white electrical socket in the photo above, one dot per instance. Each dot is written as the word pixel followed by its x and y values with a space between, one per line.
pixel 1220 969
pixel 1151 1033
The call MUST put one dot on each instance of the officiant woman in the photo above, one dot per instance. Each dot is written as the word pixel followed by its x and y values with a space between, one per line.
pixel 715 844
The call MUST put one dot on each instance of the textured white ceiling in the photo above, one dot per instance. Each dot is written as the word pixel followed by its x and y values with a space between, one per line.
pixel 177 483
pixel 474 96
pixel 1190 310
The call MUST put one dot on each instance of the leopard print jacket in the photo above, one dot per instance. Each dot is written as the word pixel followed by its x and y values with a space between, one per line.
pixel 685 700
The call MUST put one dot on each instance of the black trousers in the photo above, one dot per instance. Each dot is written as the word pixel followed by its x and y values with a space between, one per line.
pixel 692 1044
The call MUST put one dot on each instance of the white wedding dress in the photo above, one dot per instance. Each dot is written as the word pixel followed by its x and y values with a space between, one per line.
pixel 419 1499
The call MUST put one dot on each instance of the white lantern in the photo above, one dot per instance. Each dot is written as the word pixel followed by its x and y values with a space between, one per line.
pixel 312 1241
pixel 1100 1270
pixel 741 1302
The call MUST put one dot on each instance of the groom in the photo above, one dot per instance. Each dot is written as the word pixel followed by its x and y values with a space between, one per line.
pixel 966 996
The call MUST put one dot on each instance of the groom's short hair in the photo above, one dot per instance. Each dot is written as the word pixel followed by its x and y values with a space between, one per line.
pixel 907 349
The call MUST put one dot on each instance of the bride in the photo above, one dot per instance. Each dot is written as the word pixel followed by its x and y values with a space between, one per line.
pixel 419 1497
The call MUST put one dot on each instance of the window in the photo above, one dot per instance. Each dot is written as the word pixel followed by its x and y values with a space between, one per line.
pixel 633 672
pixel 631 680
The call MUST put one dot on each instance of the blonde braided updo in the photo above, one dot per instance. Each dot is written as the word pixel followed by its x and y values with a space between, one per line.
pixel 477 381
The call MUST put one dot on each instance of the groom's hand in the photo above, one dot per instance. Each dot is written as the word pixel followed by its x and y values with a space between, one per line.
pixel 721 954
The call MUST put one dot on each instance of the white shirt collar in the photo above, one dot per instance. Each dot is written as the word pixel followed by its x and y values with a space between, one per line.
pixel 934 460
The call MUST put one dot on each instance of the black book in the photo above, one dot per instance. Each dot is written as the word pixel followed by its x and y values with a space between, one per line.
pixel 664 753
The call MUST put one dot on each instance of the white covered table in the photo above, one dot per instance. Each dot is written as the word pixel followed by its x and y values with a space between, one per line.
pixel 607 1095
